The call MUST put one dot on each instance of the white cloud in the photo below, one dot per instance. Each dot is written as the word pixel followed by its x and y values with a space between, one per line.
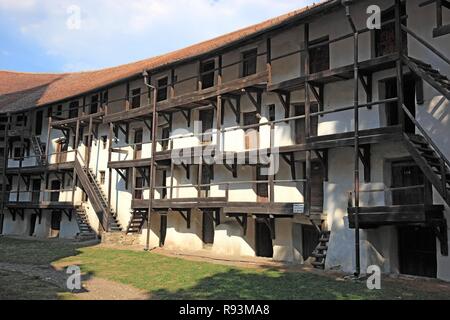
pixel 114 31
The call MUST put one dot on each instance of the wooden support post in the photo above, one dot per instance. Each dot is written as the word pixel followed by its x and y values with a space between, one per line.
pixel 172 171
pixel 399 64
pixel 47 146
pixel 269 59
pixel 127 97
pixel 89 143
pixel 307 123
pixel 218 124
pixel 74 175
pixel 172 84
pixel 5 164
pixel 110 177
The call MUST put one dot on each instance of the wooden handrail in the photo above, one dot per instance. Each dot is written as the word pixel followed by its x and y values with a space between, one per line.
pixel 426 44
pixel 425 135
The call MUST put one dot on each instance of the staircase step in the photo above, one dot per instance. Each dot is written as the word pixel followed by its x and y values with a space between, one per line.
pixel 318 264
pixel 318 255
pixel 322 248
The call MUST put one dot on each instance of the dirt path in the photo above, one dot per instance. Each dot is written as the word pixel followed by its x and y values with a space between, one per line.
pixel 93 288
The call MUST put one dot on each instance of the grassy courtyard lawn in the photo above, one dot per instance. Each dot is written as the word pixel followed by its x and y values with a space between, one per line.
pixel 173 278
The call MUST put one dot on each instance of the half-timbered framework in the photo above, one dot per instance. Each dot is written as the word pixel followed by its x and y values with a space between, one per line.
pixel 177 151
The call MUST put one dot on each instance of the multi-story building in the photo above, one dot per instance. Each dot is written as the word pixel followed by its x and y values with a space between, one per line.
pixel 353 120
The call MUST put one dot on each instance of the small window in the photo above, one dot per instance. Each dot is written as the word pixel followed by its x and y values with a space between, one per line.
pixel 136 98
pixel 385 42
pixel 162 89
pixel 94 104
pixel 319 55
pixel 102 177
pixel 271 111
pixel 59 110
pixel 207 73
pixel 73 109
pixel 104 141
pixel 21 121
pixel 249 59
pixel 138 192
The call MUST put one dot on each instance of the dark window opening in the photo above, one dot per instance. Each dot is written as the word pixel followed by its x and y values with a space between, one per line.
pixel 385 37
pixel 136 98
pixel 207 73
pixel 102 177
pixel 165 137
pixel 73 109
pixel 94 104
pixel 206 118
pixel 161 94
pixel 319 55
pixel 264 245
pixel 271 109
pixel 18 153
pixel 249 61
pixel 208 228
pixel 59 110
pixel 104 141
pixel 22 121
pixel 39 120
pixel 138 136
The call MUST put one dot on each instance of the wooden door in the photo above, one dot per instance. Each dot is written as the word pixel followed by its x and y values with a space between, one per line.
pixel 317 179
pixel 32 224
pixel 35 196
pixel 417 251
pixel 406 174
pixel 251 135
pixel 138 143
pixel 310 240
pixel 262 189
pixel 206 117
pixel 56 185
pixel 208 228
pixel 39 122
pixel 162 230
pixel 61 152
pixel 409 95
pixel 263 240
pixel 138 192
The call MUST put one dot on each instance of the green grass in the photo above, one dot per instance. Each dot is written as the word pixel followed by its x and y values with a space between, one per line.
pixel 18 286
pixel 173 278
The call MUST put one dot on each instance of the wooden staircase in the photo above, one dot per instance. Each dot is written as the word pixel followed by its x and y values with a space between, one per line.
pixel 86 232
pixel 136 223
pixel 38 150
pixel 97 197
pixel 431 75
pixel 320 253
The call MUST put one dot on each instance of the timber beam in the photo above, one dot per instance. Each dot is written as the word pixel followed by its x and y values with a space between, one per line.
pixel 318 93
pixel 367 86
pixel 68 213
pixel 235 107
pixel 38 213
pixel 242 220
pixel 255 101
pixel 290 160
pixel 232 167
pixel 124 175
pixel 186 216
pixel 285 99
pixel 440 230
pixel 214 214
pixel 364 156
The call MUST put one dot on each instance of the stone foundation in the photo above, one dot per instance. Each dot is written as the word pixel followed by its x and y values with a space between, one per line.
pixel 120 238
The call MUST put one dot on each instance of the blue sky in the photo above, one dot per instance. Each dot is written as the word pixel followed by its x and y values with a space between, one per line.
pixel 47 36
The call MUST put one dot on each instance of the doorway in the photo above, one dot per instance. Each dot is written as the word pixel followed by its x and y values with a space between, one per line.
pixel 409 95
pixel 262 188
pixel 263 239
pixel 61 151
pixel 317 178
pixel 55 224
pixel 162 230
pixel 417 251
pixel 208 227
pixel 300 133
pixel 408 174
pixel 138 135
pixel 36 186
pixel 206 118
pixel 32 224
pixel 252 134
pixel 56 188
pixel 310 240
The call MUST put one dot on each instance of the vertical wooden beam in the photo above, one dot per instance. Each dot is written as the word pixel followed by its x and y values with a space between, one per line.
pixel 307 122
pixel 5 164
pixel 110 177
pixel 47 146
pixel 439 13
pixel 199 75
pixel 218 123
pixel 399 64
pixel 269 59
pixel 127 97
pixel 89 142
pixel 172 169
pixel 74 175
pixel 172 84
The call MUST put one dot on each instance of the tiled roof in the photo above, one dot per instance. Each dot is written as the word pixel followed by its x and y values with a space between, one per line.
pixel 19 91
